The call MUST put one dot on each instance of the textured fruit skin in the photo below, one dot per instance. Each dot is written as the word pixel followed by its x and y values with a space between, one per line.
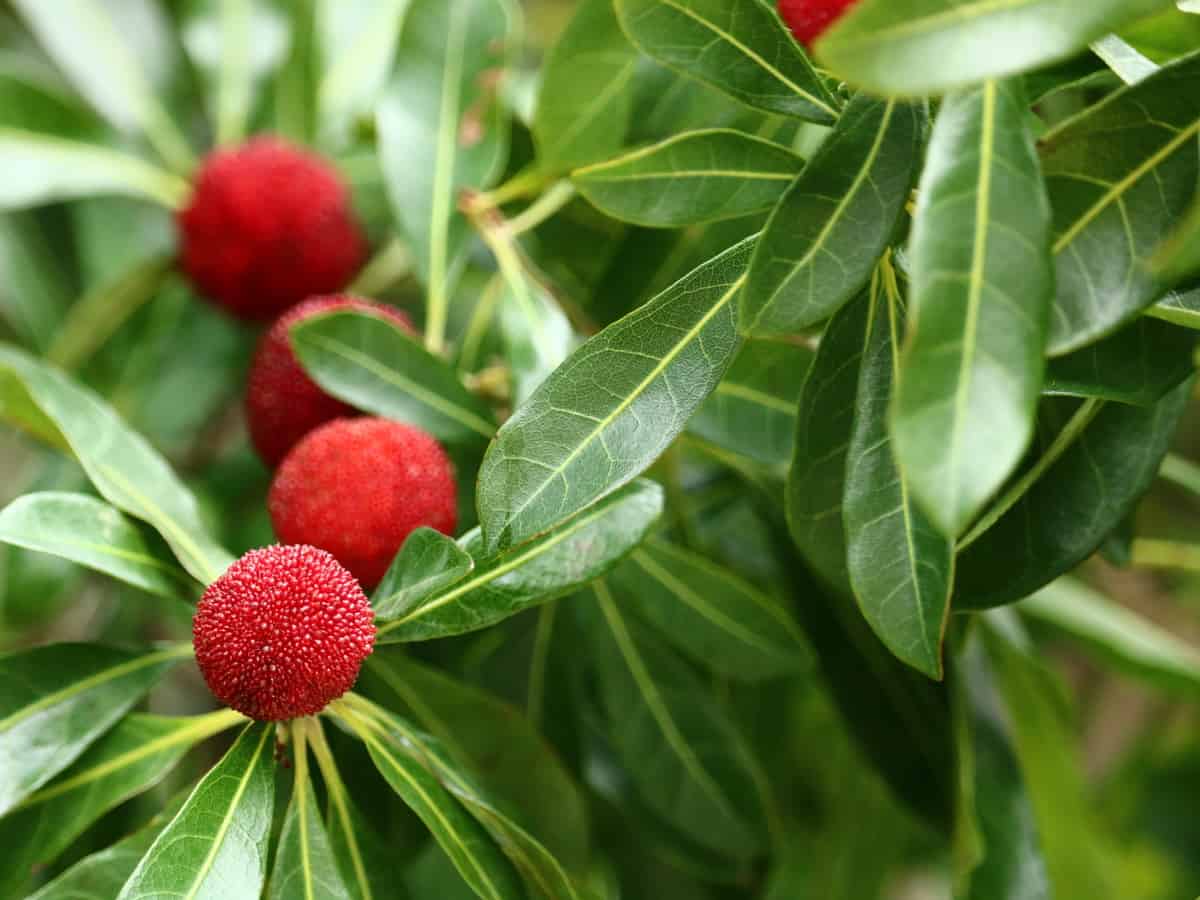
pixel 282 403
pixel 282 632
pixel 358 488
pixel 809 19
pixel 268 225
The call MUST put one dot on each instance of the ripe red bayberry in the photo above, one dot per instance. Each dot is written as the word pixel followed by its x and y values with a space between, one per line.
pixel 809 19
pixel 358 488
pixel 267 226
pixel 282 632
pixel 282 403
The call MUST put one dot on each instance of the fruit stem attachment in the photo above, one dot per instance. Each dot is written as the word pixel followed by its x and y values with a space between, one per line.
pixel 559 195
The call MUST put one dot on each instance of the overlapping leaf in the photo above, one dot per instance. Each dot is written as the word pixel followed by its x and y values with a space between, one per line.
pixel 305 867
pixel 428 563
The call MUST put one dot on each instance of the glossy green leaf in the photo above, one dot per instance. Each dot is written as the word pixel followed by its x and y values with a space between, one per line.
pixel 536 333
pixel 92 533
pixel 824 425
pixel 494 741
pixel 305 867
pixel 919 47
pixel 217 844
pixel 83 38
pixel 738 48
pixel 428 563
pixel 825 236
pixel 585 101
pixel 294 86
pixel 475 855
pixel 1138 364
pixel 1179 256
pixel 982 286
pixel 1180 307
pixel 1117 635
pixel 752 412
pixel 571 444
pixel 131 758
pixel 368 864
pixel 901 566
pixel 122 465
pixel 1124 59
pixel 375 365
pixel 686 758
pixel 39 169
pixel 35 291
pixel 709 613
pixel 690 179
pixel 1073 507
pixel 57 699
pixel 35 100
pixel 544 568
pixel 1113 210
pixel 441 131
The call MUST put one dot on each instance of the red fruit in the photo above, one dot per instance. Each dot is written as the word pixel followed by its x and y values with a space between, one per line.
pixel 358 488
pixel 282 632
pixel 809 19
pixel 282 403
pixel 267 226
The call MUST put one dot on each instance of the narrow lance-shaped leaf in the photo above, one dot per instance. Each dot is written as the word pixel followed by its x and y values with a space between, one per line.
pixel 428 563
pixel 739 48
pixel 549 566
pixel 372 364
pixel 122 465
pixel 919 47
pixel 92 533
pixel 1113 210
pixel 972 365
pixel 585 100
pixel 217 844
pixel 828 231
pixel 901 567
pixel 612 408
pixel 690 179
pixel 536 332
pixel 57 699
pixel 719 620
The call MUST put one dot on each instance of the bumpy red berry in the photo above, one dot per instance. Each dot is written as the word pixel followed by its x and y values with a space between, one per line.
pixel 282 403
pixel 809 19
pixel 359 487
pixel 267 226
pixel 282 632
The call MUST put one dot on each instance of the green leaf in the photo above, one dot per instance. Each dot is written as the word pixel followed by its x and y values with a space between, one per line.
pixel 1124 59
pixel 441 130
pixel 901 566
pixel 131 758
pixel 585 101
pixel 35 291
pixel 1077 864
pixel 1180 307
pixel 122 465
pixel 918 47
pixel 571 444
pixel 295 83
pixel 1138 364
pixel 92 533
pixel 536 333
pixel 35 100
pixel 721 621
pixel 373 364
pixel 1073 506
pixel 217 844
pixel 428 563
pixel 824 425
pixel 982 286
pixel 39 169
pixel 472 850
pixel 752 412
pixel 82 37
pixel 690 179
pixel 1116 635
pixel 739 48
pixel 305 867
pixel 544 568
pixel 825 236
pixel 1112 210
pixel 686 758
pixel 1179 256
pixel 57 699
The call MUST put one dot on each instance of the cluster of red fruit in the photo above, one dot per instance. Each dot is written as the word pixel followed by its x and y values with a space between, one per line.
pixel 270 234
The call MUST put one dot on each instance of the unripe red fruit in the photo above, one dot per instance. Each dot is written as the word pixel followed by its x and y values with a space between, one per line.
pixel 267 226
pixel 282 632
pixel 358 488
pixel 809 19
pixel 282 403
